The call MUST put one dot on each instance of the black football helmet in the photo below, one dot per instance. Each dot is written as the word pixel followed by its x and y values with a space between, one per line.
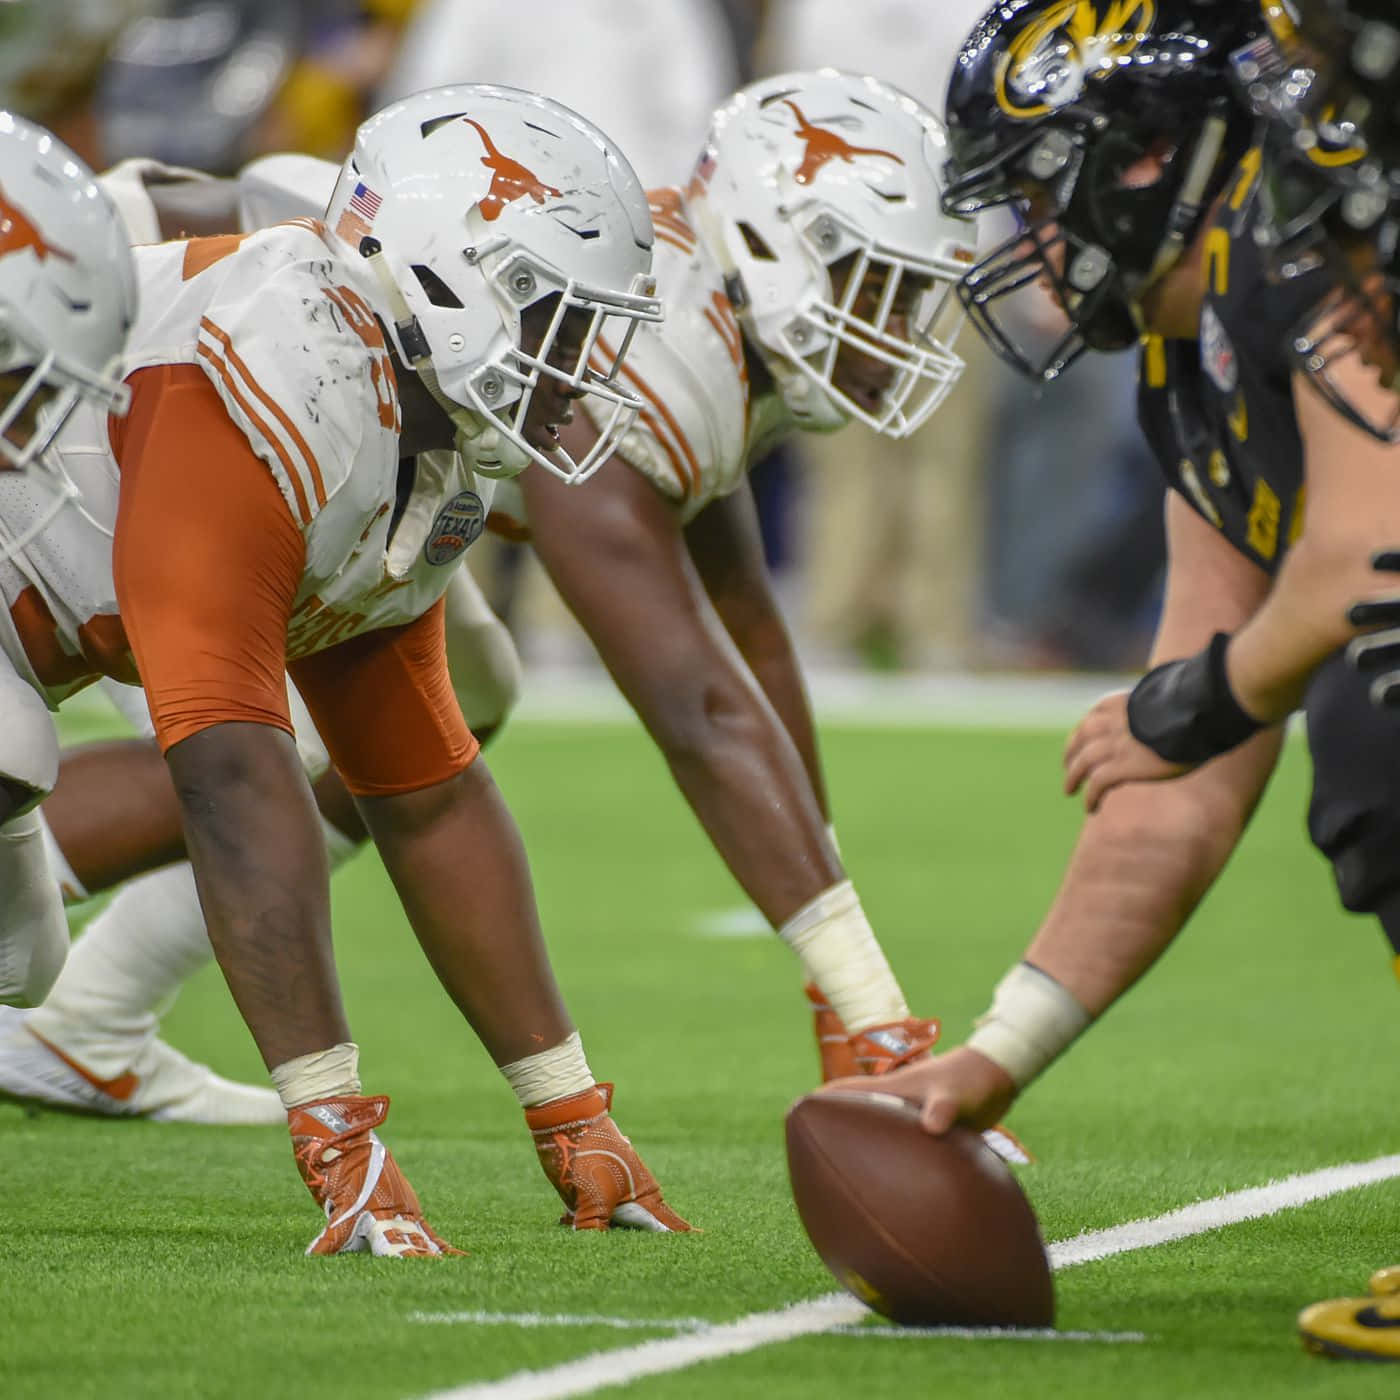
pixel 1333 179
pixel 1107 127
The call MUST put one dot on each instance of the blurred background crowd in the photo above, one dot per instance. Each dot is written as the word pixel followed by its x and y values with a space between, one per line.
pixel 1017 529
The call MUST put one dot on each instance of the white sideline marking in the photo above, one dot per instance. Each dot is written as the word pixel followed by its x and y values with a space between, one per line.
pixel 838 1311
pixel 742 921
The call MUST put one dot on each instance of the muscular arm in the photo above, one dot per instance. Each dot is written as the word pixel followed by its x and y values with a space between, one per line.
pixel 458 864
pixel 1353 510
pixel 1147 856
pixel 727 550
pixel 617 556
pixel 1149 853
pixel 259 860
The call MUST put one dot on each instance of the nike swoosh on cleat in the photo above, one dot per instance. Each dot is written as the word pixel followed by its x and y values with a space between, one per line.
pixel 121 1088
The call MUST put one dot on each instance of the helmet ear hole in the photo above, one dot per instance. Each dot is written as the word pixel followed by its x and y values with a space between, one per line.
pixel 436 290
pixel 753 240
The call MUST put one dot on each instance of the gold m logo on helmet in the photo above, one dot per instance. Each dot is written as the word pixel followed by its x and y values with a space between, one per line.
pixel 1047 64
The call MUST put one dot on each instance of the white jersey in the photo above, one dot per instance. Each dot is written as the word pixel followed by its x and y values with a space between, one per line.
pixel 283 327
pixel 698 429
pixel 700 426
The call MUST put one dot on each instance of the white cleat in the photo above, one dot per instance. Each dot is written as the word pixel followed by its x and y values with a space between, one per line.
pixel 160 1084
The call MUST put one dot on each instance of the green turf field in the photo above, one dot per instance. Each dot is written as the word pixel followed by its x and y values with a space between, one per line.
pixel 144 1260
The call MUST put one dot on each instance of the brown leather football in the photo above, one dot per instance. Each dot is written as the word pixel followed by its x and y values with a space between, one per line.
pixel 930 1231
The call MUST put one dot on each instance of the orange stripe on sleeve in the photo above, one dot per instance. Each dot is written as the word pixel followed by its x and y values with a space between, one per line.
pixel 660 409
pixel 283 456
pixel 384 706
pixel 273 407
pixel 207 559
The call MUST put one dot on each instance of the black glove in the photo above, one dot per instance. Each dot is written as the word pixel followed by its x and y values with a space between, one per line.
pixel 1377 654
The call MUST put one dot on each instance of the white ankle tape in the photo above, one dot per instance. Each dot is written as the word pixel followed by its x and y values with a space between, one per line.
pixel 1032 1021
pixel 552 1074
pixel 324 1074
pixel 837 946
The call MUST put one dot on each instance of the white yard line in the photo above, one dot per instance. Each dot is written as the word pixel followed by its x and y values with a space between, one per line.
pixel 985 1334
pixel 837 1311
pixel 1231 1209
pixel 621 1324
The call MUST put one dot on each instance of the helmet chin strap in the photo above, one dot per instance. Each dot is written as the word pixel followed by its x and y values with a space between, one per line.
pixel 796 390
pixel 1186 210
pixel 475 435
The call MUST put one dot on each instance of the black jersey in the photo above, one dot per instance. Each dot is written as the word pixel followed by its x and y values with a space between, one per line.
pixel 1218 411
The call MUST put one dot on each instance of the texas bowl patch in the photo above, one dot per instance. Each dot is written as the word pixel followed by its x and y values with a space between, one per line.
pixel 455 526
pixel 1217 353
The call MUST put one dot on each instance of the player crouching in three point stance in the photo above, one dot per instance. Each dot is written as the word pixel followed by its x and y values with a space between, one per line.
pixel 807 271
pixel 318 412
pixel 1147 212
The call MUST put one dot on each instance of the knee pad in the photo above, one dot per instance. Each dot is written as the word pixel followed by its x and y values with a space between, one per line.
pixel 34 931
pixel 481 656
pixel 1354 814
pixel 315 758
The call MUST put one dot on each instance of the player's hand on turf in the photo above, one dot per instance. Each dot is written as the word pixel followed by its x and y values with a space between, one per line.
pixel 1377 653
pixel 600 1178
pixel 1102 754
pixel 962 1086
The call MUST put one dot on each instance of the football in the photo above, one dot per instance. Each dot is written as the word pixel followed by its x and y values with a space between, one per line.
pixel 930 1231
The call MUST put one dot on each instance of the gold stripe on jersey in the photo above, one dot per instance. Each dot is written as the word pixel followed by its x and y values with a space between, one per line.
pixel 1295 526
pixel 318 486
pixel 1218 259
pixel 1154 361
pixel 224 373
pixel 1261 526
pixel 1238 419
pixel 1246 172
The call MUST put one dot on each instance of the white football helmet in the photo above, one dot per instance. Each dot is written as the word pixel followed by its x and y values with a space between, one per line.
pixel 473 203
pixel 805 170
pixel 67 290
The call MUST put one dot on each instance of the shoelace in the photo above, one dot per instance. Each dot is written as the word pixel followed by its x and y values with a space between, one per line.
pixel 564 1145
pixel 311 1152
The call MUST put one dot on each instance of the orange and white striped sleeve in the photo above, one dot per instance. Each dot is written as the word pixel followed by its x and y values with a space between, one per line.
pixel 297 357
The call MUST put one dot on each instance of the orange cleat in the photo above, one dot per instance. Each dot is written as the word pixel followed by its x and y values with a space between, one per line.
pixel 875 1050
pixel 879 1049
pixel 595 1170
pixel 368 1202
pixel 833 1044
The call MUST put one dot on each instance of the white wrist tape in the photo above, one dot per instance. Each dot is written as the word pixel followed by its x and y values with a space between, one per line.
pixel 1032 1020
